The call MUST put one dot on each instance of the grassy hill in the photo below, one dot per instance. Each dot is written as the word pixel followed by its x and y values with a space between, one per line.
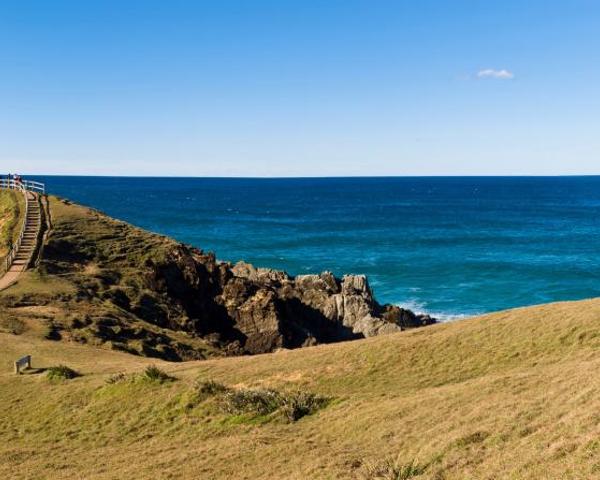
pixel 510 395
pixel 87 264
pixel 12 209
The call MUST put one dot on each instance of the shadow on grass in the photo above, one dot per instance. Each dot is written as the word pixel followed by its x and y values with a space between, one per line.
pixel 33 371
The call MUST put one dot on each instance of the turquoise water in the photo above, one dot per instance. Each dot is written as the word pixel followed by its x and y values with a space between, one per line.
pixel 448 246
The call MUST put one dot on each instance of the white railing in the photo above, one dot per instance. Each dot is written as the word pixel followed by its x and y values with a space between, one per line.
pixel 12 184
pixel 37 187
pixel 14 249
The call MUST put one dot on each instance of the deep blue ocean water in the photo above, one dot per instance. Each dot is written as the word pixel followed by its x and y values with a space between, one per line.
pixel 449 246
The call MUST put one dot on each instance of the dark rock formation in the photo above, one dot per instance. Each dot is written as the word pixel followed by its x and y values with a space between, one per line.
pixel 257 310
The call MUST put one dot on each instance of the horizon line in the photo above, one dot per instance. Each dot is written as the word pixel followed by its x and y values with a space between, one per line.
pixel 299 177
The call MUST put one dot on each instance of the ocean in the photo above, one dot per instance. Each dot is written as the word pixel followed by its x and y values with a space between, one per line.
pixel 448 246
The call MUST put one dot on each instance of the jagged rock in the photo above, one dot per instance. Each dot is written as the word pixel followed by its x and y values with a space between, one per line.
pixel 405 318
pixel 265 276
pixel 261 310
pixel 266 309
pixel 259 321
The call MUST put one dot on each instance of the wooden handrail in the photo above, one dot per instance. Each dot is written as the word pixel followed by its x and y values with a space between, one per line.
pixel 5 267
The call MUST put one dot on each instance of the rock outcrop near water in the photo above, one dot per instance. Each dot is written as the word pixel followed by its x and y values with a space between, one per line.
pixel 117 285
pixel 256 310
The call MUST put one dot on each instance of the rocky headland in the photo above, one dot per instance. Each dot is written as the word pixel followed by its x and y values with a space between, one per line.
pixel 105 282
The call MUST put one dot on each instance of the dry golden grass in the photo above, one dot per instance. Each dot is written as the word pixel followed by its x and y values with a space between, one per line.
pixel 11 215
pixel 510 395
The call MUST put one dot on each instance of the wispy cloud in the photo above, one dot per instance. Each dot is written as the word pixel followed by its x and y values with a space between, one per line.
pixel 499 74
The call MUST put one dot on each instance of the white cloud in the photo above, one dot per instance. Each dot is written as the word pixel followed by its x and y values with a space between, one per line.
pixel 491 73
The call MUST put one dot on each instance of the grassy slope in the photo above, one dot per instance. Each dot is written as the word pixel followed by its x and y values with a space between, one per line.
pixel 93 248
pixel 509 395
pixel 11 215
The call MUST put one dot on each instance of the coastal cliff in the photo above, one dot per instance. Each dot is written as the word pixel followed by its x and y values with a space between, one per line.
pixel 105 282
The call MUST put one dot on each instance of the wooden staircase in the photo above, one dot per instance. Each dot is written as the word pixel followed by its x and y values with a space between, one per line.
pixel 29 242
pixel 33 224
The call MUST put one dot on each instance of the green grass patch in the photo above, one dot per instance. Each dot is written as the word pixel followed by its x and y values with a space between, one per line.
pixel 153 374
pixel 61 372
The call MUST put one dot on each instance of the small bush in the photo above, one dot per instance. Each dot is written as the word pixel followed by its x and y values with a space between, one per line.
pixel 61 372
pixel 293 406
pixel 392 470
pixel 155 375
pixel 296 405
pixel 210 388
pixel 259 401
pixel 12 325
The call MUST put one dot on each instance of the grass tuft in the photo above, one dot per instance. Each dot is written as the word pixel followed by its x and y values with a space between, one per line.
pixel 61 372
pixel 210 388
pixel 296 405
pixel 153 374
pixel 392 470
pixel 116 378
pixel 260 401
pixel 471 439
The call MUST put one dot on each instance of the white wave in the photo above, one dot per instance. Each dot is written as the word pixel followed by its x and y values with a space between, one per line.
pixel 419 308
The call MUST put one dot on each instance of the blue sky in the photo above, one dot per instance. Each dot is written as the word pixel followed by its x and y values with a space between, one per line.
pixel 300 88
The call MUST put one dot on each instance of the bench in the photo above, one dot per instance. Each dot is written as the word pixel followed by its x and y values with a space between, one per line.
pixel 22 363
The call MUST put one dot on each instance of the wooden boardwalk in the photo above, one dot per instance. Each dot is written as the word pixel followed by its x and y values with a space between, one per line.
pixel 29 241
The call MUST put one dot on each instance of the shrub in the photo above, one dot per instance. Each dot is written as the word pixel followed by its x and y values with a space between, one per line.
pixel 210 388
pixel 392 470
pixel 259 401
pixel 293 406
pixel 12 325
pixel 296 405
pixel 61 372
pixel 50 331
pixel 155 375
